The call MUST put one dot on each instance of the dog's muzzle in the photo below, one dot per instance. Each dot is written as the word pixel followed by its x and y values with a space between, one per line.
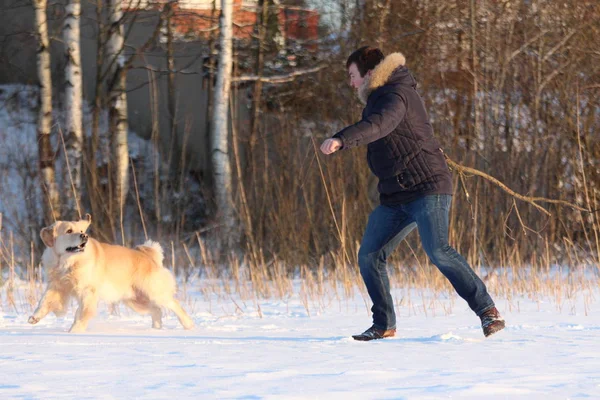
pixel 81 247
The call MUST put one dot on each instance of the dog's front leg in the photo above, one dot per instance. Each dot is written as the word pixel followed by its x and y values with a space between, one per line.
pixel 88 302
pixel 52 300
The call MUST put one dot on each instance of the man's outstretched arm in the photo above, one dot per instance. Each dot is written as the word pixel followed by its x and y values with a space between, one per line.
pixel 388 111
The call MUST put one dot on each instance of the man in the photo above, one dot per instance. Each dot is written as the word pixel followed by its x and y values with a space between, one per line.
pixel 415 187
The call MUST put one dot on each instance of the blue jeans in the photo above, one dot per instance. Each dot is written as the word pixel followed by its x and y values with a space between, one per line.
pixel 386 228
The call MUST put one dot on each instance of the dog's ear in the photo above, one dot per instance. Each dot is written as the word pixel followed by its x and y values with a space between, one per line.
pixel 87 220
pixel 47 235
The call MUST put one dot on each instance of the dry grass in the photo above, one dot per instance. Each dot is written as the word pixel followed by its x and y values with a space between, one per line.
pixel 325 273
pixel 241 284
pixel 302 213
pixel 305 223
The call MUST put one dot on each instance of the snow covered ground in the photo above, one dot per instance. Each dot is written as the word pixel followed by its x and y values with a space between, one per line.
pixel 290 349
pixel 280 351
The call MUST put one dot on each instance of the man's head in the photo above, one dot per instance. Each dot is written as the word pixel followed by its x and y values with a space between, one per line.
pixel 361 63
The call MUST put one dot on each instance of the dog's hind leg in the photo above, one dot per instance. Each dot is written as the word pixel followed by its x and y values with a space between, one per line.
pixel 156 313
pixel 183 317
pixel 53 300
pixel 142 305
pixel 160 289
pixel 88 302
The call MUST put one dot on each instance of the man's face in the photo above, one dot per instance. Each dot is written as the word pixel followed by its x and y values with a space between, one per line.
pixel 355 79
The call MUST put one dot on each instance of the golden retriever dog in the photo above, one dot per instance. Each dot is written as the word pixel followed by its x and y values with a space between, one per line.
pixel 88 270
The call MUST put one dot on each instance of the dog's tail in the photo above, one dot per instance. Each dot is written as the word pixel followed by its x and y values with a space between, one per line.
pixel 159 284
pixel 154 250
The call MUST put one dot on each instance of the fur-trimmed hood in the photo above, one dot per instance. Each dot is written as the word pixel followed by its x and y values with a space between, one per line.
pixel 382 73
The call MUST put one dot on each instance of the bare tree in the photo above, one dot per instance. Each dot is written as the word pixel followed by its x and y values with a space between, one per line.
pixel 117 97
pixel 171 100
pixel 474 67
pixel 261 24
pixel 211 73
pixel 93 144
pixel 73 103
pixel 219 127
pixel 384 11
pixel 44 125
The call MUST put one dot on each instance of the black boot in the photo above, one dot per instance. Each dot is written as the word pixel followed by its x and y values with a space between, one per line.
pixel 491 322
pixel 373 333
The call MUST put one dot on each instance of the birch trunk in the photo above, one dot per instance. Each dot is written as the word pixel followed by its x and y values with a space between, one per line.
pixel 73 104
pixel 117 107
pixel 211 78
pixel 44 123
pixel 219 127
pixel 168 16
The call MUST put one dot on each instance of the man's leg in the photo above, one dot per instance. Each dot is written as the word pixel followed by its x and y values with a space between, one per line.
pixel 431 214
pixel 386 228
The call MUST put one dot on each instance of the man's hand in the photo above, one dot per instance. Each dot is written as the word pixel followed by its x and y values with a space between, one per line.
pixel 331 145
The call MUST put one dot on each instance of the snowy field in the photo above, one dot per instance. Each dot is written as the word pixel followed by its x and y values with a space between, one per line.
pixel 271 349
pixel 297 348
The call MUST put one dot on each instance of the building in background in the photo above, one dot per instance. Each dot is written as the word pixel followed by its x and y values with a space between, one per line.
pixel 193 21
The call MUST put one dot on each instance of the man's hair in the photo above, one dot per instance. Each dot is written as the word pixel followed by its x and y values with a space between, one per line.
pixel 365 58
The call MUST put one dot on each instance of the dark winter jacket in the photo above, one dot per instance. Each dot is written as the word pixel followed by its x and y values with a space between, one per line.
pixel 401 151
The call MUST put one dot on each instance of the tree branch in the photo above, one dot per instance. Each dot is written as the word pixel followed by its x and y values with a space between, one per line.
pixel 165 71
pixel 277 78
pixel 461 170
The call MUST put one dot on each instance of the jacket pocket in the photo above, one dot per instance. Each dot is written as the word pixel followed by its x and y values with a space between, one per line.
pixel 436 159
pixel 392 185
pixel 405 180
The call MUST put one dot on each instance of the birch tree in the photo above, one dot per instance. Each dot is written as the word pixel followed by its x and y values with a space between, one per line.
pixel 219 127
pixel 168 28
pixel 117 98
pixel 211 73
pixel 73 102
pixel 44 123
